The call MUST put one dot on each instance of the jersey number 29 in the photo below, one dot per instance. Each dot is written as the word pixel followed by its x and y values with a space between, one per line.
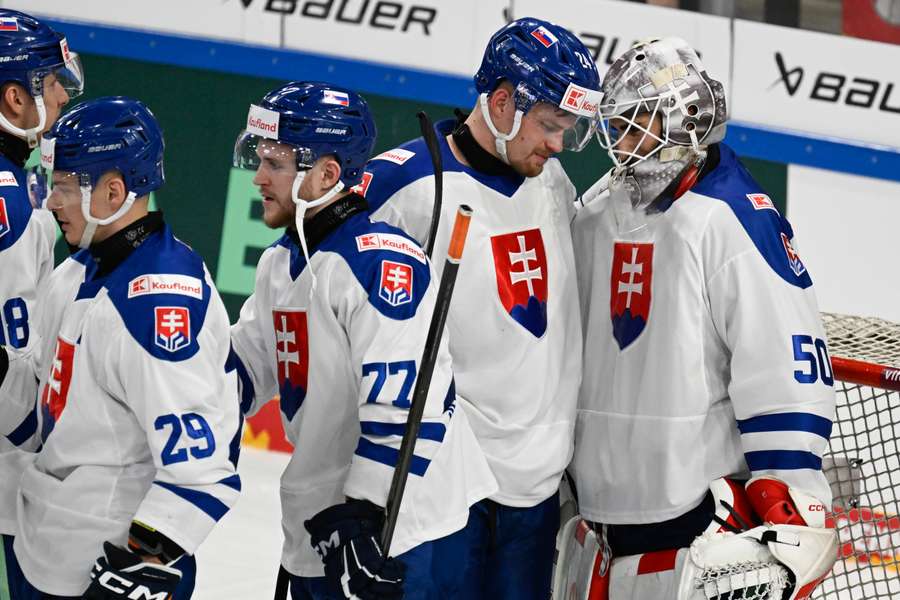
pixel 195 427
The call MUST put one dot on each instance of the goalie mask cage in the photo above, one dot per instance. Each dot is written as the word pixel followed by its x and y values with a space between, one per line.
pixel 862 462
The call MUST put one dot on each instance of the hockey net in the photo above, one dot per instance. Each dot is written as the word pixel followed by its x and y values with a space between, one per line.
pixel 863 459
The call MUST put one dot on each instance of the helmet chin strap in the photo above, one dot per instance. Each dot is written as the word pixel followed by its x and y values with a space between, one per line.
pixel 300 214
pixel 29 135
pixel 500 139
pixel 91 222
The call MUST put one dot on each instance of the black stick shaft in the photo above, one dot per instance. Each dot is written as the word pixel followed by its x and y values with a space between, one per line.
pixel 434 150
pixel 281 584
pixel 426 370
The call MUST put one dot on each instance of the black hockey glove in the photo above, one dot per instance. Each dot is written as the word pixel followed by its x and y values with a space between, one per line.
pixel 345 536
pixel 4 364
pixel 123 574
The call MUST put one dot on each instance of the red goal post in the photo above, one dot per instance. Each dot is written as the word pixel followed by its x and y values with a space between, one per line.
pixel 863 458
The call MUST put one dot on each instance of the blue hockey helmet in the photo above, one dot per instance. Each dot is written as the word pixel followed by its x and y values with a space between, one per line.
pixel 114 133
pixel 315 119
pixel 29 51
pixel 544 63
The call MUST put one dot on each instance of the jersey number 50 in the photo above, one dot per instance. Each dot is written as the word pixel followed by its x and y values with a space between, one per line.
pixel 196 428
pixel 816 358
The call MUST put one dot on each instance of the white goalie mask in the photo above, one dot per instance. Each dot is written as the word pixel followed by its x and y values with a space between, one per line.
pixel 658 94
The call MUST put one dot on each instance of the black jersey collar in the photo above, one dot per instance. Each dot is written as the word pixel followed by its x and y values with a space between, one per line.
pixel 113 251
pixel 477 157
pixel 14 148
pixel 317 227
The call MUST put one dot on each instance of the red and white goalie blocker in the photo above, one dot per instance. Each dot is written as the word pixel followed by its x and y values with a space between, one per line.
pixel 785 558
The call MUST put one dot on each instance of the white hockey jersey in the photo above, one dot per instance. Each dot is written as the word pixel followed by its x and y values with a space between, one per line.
pixel 138 415
pixel 705 353
pixel 514 322
pixel 27 237
pixel 344 360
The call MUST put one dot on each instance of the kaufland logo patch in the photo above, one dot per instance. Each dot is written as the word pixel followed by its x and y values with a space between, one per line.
pixel 761 202
pixel 9 24
pixel 389 241
pixel 335 97
pixel 544 36
pixel 48 152
pixel 397 156
pixel 7 178
pixel 580 101
pixel 262 122
pixel 182 285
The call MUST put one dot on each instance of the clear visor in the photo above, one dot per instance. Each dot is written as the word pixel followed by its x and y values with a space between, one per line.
pixel 570 131
pixel 628 133
pixel 69 75
pixel 251 151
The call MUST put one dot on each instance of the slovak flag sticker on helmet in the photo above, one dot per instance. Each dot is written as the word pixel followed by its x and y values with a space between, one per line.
pixel 543 35
pixel 335 97
pixel 9 24
pixel 396 283
pixel 173 327
pixel 263 122
pixel 4 218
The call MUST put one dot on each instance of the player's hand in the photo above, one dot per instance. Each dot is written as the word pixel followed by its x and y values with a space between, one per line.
pixel 123 574
pixel 345 536
pixel 798 537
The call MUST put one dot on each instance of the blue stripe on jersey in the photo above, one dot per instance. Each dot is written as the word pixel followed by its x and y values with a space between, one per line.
pixel 247 391
pixel 25 430
pixel 233 481
pixel 787 422
pixel 389 456
pixel 782 460
pixel 427 431
pixel 208 503
pixel 730 182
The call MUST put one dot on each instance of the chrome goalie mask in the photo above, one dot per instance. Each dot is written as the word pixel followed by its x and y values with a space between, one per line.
pixel 658 81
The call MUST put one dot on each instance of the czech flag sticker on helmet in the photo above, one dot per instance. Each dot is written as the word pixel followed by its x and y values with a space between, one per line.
pixel 335 97
pixel 543 35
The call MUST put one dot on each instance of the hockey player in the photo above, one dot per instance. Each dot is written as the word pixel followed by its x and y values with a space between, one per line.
pixel 336 326
pixel 514 324
pixel 707 352
pixel 138 414
pixel 38 76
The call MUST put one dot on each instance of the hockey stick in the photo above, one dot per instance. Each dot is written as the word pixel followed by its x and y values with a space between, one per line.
pixel 434 150
pixel 281 584
pixel 426 369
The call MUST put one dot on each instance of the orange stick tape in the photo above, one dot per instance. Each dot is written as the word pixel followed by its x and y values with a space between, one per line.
pixel 460 230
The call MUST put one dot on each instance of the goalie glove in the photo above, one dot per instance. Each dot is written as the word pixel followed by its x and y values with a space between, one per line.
pixel 345 536
pixel 796 536
pixel 121 574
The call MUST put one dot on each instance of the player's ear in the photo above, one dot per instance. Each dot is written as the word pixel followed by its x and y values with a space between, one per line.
pixel 331 173
pixel 501 100
pixel 115 192
pixel 15 99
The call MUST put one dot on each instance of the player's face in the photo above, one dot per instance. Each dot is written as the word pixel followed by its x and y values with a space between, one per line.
pixel 635 139
pixel 539 138
pixel 275 177
pixel 65 203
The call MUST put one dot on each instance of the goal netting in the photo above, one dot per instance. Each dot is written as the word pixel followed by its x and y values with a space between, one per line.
pixel 863 459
